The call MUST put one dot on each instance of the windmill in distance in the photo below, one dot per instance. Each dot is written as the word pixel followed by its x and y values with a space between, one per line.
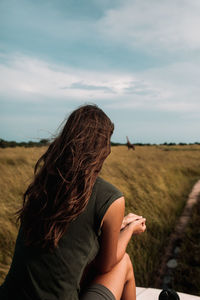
pixel 129 145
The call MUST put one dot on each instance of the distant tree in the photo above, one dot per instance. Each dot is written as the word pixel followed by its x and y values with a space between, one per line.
pixel 2 143
pixel 182 144
pixel 43 142
pixel 11 144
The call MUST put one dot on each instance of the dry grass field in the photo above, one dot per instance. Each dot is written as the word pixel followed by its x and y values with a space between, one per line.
pixel 155 180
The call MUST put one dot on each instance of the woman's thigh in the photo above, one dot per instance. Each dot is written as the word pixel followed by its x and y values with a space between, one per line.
pixel 97 292
pixel 113 281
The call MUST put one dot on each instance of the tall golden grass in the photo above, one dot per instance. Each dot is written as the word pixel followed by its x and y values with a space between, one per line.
pixel 155 180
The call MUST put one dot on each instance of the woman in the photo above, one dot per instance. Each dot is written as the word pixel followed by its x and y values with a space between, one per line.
pixel 71 220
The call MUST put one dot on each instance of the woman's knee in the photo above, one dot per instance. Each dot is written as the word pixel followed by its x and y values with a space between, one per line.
pixel 129 266
pixel 127 259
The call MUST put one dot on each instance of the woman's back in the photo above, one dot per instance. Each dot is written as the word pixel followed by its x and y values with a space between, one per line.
pixel 56 274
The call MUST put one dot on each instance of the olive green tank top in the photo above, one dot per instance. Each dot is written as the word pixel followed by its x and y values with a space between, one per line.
pixel 55 275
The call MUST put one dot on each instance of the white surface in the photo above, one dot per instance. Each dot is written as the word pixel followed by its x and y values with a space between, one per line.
pixel 152 294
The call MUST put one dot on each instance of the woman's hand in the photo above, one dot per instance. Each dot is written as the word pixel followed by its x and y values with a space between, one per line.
pixel 138 226
pixel 135 223
pixel 129 219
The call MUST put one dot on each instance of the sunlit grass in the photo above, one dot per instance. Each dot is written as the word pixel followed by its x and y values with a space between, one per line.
pixel 155 183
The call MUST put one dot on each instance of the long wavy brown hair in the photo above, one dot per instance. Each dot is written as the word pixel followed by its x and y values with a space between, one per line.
pixel 64 176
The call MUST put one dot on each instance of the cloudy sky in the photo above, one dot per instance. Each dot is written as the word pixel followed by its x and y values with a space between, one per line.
pixel 139 60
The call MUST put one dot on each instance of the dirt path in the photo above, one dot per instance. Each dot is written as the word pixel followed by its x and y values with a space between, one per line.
pixel 169 261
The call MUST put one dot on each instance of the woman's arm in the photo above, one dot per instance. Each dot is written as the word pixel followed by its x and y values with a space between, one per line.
pixel 114 240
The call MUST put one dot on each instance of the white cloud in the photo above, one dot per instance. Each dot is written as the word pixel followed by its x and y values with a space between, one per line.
pixel 168 25
pixel 29 78
pixel 171 88
pixel 180 82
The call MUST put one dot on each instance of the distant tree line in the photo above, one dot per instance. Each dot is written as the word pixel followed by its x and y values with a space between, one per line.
pixel 13 144
pixel 45 142
pixel 180 144
pixel 162 144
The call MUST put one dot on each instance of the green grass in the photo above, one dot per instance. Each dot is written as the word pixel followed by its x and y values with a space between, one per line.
pixel 155 184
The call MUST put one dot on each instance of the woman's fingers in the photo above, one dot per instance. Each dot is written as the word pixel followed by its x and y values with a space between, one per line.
pixel 131 215
pixel 138 226
pixel 130 218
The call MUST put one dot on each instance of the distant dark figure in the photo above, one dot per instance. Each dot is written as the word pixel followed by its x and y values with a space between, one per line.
pixel 129 145
pixel 168 294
